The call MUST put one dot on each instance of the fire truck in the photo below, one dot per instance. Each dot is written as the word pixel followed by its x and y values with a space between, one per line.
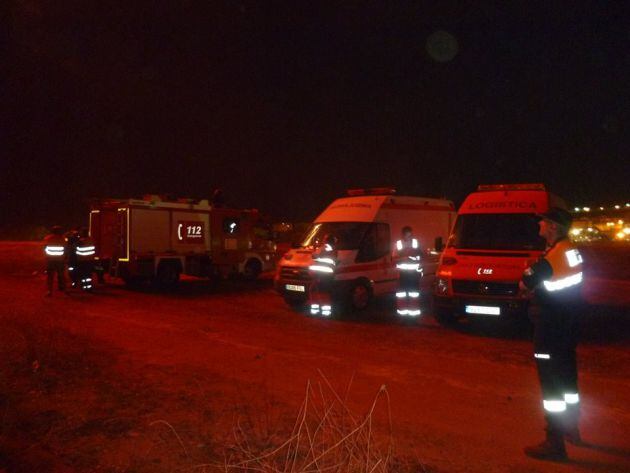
pixel 494 239
pixel 158 239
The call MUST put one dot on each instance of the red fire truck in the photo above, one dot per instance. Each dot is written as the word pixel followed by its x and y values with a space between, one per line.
pixel 157 238
pixel 494 239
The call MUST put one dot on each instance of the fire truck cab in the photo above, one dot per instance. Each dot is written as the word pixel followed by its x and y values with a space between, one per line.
pixel 367 224
pixel 494 239
pixel 157 238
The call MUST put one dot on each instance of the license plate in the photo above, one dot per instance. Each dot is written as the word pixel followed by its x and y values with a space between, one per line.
pixel 483 309
pixel 293 287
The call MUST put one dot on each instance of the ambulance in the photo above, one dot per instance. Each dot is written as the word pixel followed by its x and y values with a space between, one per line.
pixel 158 238
pixel 367 222
pixel 494 239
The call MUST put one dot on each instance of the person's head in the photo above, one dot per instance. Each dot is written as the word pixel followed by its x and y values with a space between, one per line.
pixel 56 230
pixel 554 224
pixel 330 239
pixel 406 232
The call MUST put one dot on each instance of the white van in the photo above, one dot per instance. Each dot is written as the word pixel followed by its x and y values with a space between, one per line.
pixel 367 223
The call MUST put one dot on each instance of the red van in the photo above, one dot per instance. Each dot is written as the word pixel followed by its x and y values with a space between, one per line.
pixel 494 239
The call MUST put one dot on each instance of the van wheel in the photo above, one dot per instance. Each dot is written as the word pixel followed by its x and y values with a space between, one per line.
pixel 360 295
pixel 252 269
pixel 167 276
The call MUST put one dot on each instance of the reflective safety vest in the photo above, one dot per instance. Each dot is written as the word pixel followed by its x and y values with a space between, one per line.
pixel 558 271
pixel 54 247
pixel 566 266
pixel 407 255
pixel 324 259
pixel 85 249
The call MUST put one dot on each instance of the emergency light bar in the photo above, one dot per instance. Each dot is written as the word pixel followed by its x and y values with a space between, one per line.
pixel 511 187
pixel 371 191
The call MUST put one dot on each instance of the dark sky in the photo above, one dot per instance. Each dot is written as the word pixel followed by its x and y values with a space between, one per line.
pixel 286 104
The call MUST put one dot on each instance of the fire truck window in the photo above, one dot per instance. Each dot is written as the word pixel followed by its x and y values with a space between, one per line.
pixel 231 225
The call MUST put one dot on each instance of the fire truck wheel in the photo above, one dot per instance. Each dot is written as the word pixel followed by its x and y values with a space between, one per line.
pixel 167 276
pixel 252 269
pixel 360 295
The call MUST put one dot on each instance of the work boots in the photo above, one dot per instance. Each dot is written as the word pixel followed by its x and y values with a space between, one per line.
pixel 552 448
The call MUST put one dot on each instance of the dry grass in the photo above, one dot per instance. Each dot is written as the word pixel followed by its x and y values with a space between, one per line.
pixel 326 437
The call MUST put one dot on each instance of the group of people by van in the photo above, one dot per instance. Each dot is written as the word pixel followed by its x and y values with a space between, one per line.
pixel 406 256
pixel 73 252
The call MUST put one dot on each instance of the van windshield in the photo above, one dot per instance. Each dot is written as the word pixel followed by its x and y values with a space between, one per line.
pixel 497 232
pixel 349 234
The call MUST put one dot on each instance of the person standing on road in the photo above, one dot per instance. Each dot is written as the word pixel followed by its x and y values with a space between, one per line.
pixel 555 281
pixel 72 240
pixel 323 271
pixel 407 258
pixel 85 251
pixel 55 249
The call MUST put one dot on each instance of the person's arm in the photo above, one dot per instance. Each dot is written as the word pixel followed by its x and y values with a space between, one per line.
pixel 537 273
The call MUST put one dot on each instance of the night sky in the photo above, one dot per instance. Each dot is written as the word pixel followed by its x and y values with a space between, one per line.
pixel 285 105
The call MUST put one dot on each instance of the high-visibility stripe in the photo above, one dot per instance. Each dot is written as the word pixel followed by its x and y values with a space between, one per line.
pixel 399 245
pixel 555 406
pixel 320 268
pixel 401 294
pixel 414 294
pixel 325 260
pixel 571 398
pixel 402 311
pixel 414 243
pixel 54 250
pixel 573 257
pixel 414 312
pixel 408 266
pixel 542 356
pixel 563 283
pixel 328 247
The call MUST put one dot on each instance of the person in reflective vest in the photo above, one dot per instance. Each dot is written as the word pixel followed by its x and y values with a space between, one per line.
pixel 85 251
pixel 407 258
pixel 555 282
pixel 55 253
pixel 72 240
pixel 323 272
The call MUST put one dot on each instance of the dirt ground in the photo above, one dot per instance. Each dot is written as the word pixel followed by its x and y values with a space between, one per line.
pixel 136 381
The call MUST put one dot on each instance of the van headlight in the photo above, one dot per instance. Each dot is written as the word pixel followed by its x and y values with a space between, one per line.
pixel 442 286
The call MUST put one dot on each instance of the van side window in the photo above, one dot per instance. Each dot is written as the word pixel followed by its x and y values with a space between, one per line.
pixel 375 243
pixel 383 242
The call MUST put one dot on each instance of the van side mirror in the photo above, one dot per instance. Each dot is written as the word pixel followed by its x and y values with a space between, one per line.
pixel 439 244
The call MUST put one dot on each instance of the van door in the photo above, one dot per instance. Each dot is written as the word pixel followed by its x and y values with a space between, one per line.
pixel 376 258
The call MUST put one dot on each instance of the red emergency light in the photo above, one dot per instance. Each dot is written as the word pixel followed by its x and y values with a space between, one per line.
pixel 511 187
pixel 371 191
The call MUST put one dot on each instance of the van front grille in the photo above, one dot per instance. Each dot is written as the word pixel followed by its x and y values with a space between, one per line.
pixel 485 288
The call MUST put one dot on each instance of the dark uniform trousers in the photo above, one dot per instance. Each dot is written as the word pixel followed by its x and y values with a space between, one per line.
pixel 555 339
